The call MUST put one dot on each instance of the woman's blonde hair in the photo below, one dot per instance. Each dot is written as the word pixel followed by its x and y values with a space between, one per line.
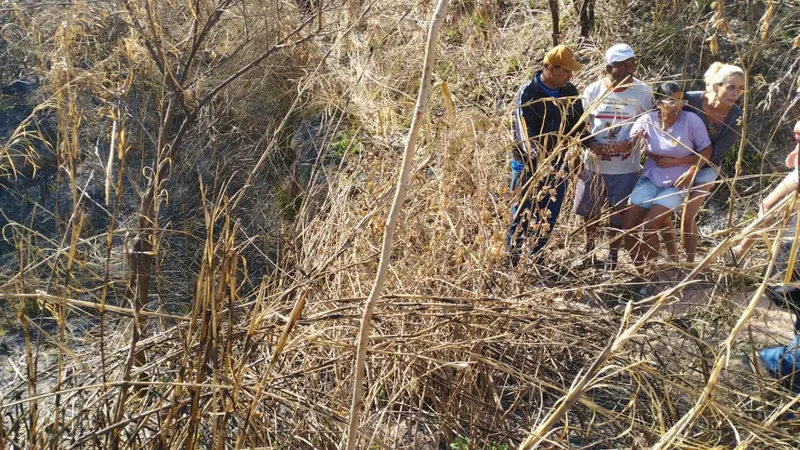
pixel 718 73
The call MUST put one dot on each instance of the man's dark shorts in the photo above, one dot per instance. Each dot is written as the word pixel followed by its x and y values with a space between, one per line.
pixel 595 190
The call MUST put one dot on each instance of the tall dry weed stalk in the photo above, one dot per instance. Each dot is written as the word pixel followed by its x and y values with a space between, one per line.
pixel 241 331
pixel 420 110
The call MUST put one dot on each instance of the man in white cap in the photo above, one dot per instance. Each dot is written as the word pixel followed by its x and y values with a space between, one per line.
pixel 611 164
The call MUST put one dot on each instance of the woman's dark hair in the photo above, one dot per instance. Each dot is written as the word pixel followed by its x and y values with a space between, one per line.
pixel 668 89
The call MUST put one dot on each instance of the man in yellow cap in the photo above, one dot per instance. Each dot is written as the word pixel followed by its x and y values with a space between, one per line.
pixel 547 116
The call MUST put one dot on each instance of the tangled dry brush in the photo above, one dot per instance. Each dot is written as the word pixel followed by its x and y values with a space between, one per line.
pixel 238 160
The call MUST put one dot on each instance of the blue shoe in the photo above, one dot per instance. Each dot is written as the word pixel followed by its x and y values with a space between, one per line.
pixel 782 363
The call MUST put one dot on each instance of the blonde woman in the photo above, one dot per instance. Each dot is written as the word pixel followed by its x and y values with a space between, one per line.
pixel 723 120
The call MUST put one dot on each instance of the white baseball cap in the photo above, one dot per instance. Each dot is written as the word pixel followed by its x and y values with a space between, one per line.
pixel 619 53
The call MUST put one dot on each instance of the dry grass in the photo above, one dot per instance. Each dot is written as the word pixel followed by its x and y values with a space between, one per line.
pixel 250 327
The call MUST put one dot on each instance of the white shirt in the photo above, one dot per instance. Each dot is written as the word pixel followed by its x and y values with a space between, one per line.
pixel 611 116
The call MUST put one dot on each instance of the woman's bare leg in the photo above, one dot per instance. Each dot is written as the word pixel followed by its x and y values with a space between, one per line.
pixel 783 189
pixel 697 197
pixel 668 238
pixel 657 219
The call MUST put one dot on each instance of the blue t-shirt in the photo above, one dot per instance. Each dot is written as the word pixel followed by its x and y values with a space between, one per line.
pixel 551 92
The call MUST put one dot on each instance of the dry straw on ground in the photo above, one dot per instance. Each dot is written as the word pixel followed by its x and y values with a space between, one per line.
pixel 247 337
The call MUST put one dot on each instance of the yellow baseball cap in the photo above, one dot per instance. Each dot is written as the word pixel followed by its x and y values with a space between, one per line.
pixel 562 56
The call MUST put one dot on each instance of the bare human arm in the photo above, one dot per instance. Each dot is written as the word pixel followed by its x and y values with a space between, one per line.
pixel 687 179
pixel 791 158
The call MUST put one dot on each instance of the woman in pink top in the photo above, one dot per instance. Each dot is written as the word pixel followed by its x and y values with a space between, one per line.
pixel 786 187
pixel 662 186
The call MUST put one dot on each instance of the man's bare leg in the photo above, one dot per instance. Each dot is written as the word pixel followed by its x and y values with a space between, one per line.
pixel 591 225
pixel 634 216
pixel 617 224
pixel 592 231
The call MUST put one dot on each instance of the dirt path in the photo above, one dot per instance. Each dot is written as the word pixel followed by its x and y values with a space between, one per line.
pixel 769 324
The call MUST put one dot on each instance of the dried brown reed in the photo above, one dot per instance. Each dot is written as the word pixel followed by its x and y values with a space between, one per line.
pixel 246 336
